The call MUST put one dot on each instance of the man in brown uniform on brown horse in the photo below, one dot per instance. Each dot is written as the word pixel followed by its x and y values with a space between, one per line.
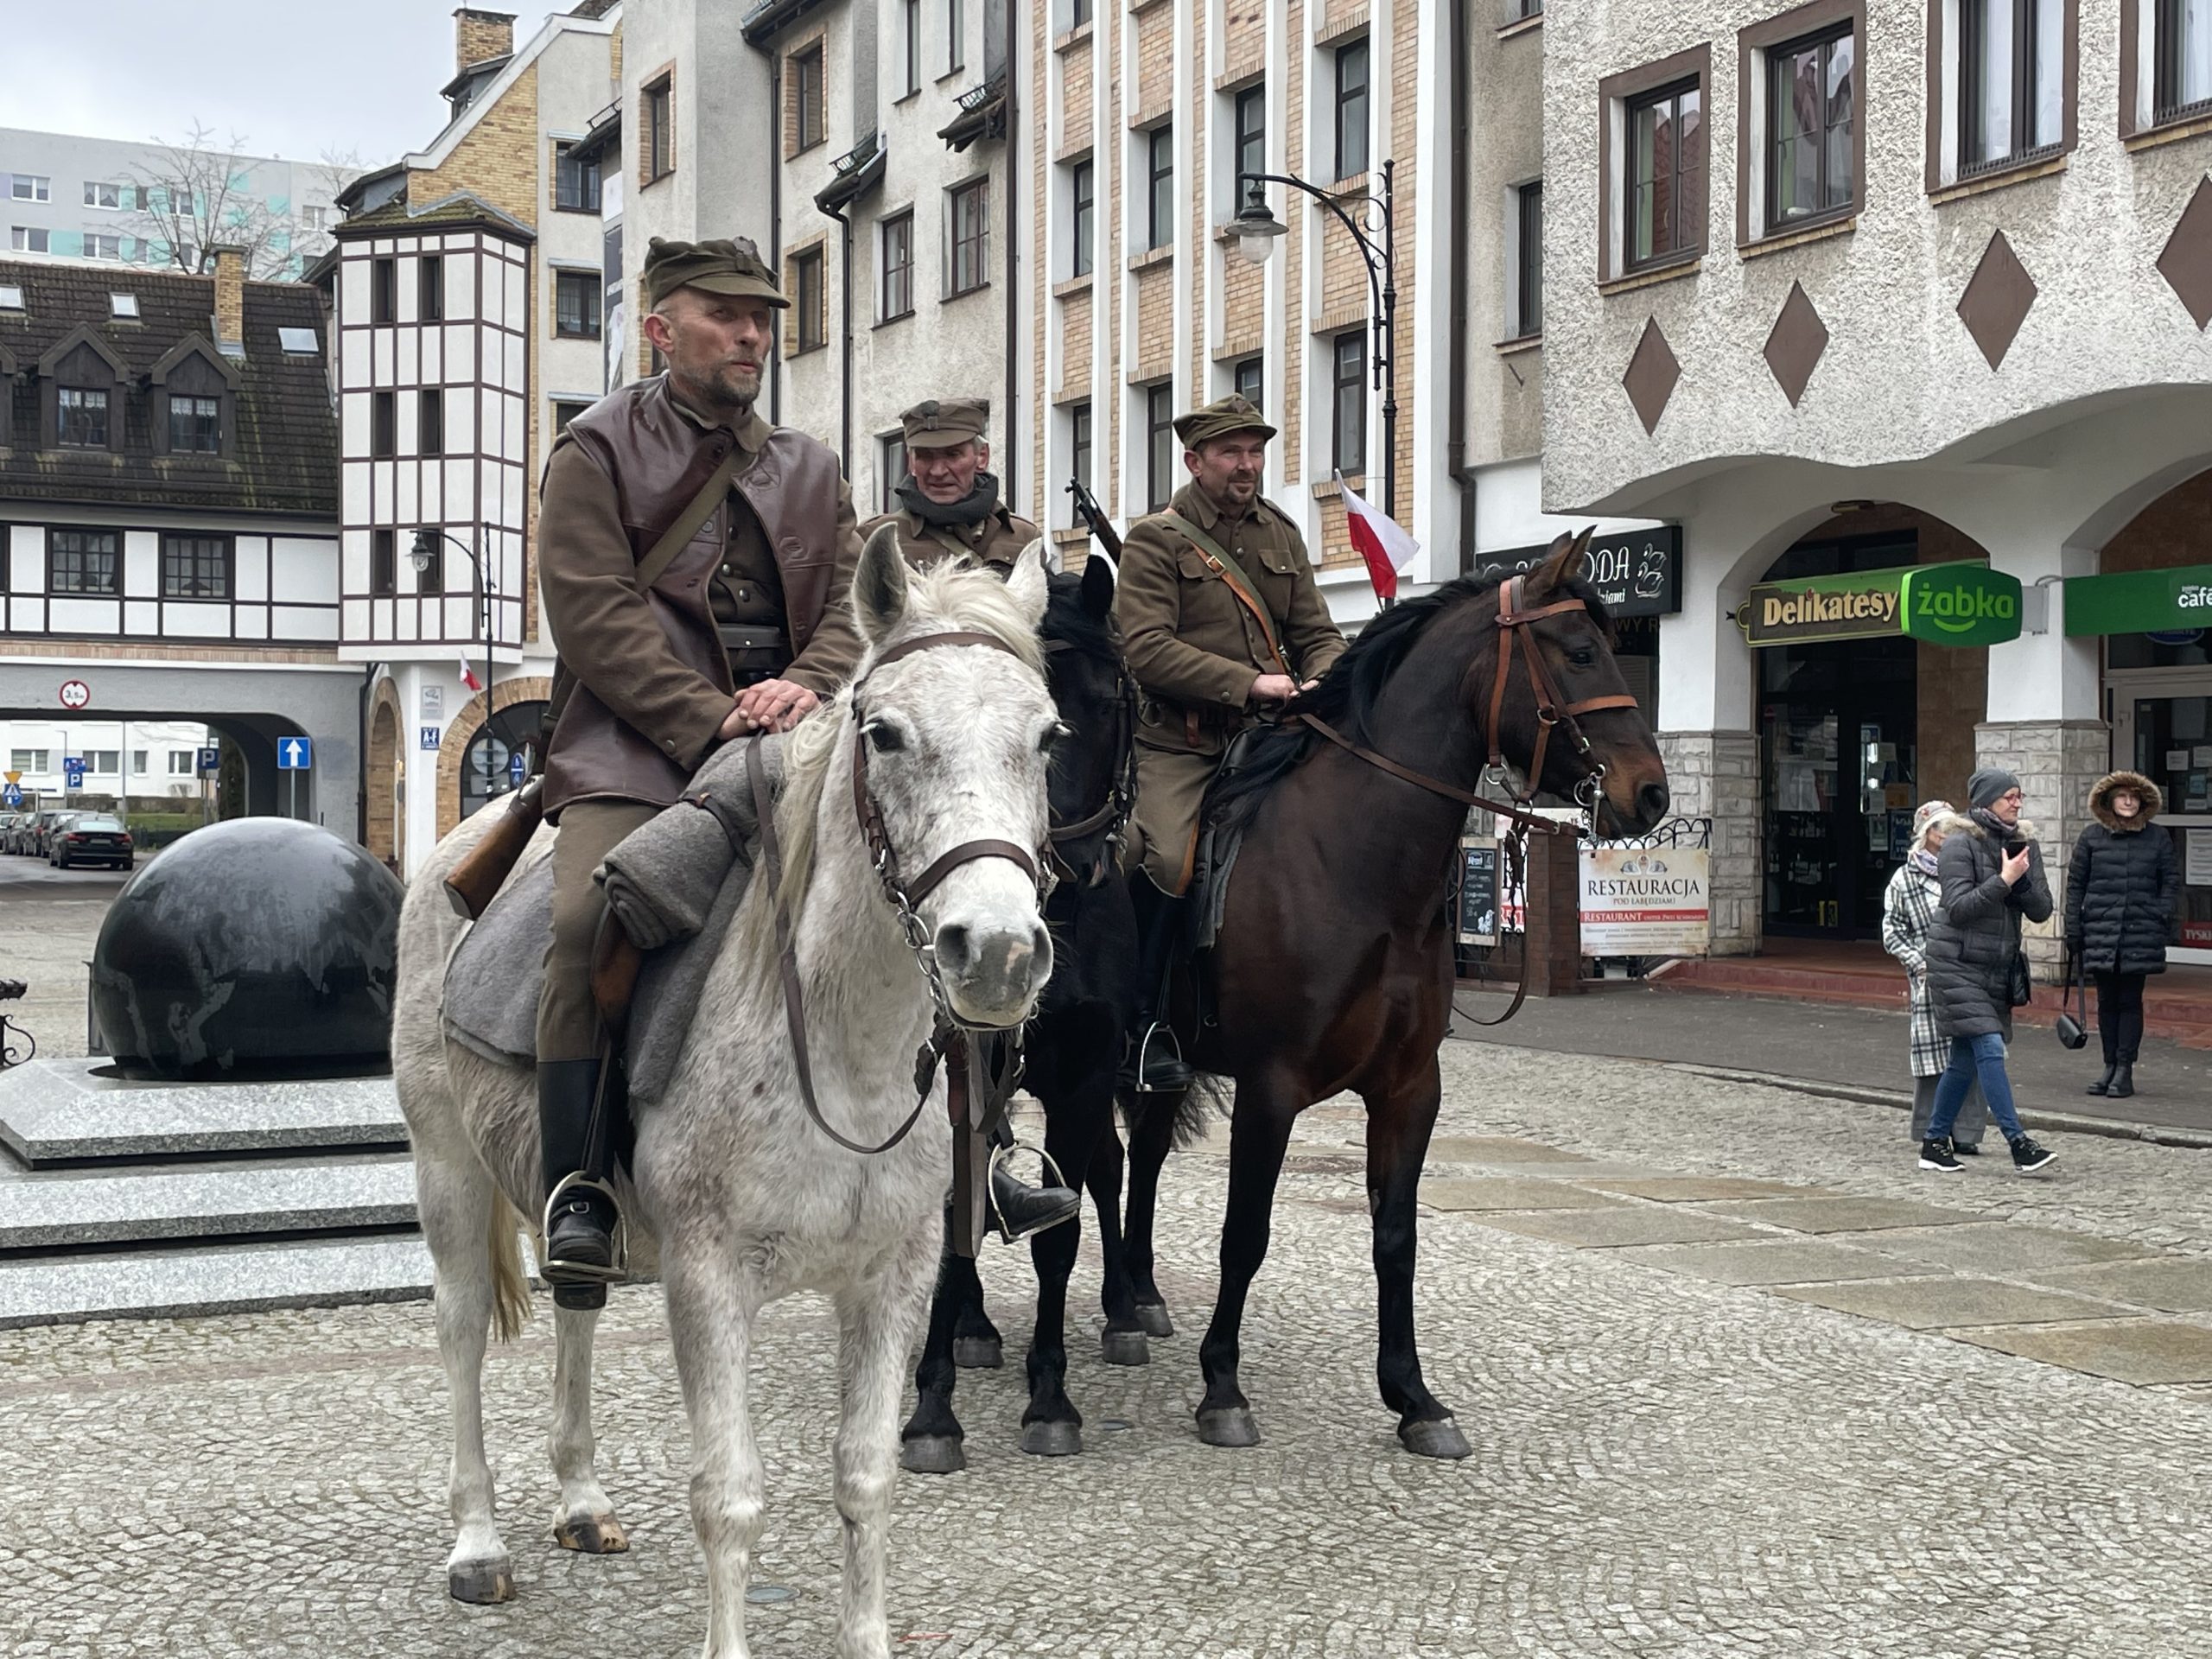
pixel 1221 622
pixel 950 499
pixel 744 630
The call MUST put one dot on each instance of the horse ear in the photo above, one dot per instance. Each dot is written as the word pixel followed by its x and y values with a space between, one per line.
pixel 1563 563
pixel 1025 584
pixel 1098 578
pixel 879 586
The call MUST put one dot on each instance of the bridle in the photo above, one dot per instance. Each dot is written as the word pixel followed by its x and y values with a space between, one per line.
pixel 948 1038
pixel 1111 817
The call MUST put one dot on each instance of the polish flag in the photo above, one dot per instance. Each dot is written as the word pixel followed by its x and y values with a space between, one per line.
pixel 1387 547
pixel 468 676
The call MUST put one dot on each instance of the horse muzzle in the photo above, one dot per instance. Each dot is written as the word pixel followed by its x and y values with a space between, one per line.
pixel 992 971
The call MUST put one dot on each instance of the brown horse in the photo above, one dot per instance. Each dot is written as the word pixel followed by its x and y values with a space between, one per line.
pixel 1333 969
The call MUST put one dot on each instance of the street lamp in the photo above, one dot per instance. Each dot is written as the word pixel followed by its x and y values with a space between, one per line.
pixel 424 551
pixel 1257 230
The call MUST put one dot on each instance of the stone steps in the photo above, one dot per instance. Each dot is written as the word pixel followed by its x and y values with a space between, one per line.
pixel 69 1212
pixel 65 1111
pixel 209 1278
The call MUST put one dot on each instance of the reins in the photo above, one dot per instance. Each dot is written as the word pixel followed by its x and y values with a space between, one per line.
pixel 1112 815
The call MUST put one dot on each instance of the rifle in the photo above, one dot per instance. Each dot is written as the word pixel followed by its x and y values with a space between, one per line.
pixel 1095 519
pixel 471 883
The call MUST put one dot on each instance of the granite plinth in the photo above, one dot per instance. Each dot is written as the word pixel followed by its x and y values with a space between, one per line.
pixel 63 1112
pixel 60 1211
pixel 247 1279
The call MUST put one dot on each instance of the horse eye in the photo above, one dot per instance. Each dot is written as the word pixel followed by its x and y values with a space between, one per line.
pixel 1054 735
pixel 1583 658
pixel 885 738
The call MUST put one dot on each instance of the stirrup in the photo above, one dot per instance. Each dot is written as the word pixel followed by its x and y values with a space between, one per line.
pixel 556 1269
pixel 1159 1030
pixel 999 1157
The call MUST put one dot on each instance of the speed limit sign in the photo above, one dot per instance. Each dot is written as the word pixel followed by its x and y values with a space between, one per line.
pixel 75 694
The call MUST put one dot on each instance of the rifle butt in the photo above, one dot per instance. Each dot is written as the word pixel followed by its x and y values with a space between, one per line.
pixel 471 884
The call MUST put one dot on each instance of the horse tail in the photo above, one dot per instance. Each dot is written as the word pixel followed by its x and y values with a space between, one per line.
pixel 1206 1099
pixel 510 1285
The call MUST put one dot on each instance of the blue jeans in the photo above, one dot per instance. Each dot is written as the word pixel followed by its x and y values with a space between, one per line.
pixel 1979 1057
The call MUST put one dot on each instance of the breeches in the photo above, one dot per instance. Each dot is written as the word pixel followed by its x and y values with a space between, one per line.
pixel 1171 788
pixel 568 1023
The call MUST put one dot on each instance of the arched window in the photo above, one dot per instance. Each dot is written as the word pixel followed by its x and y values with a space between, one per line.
pixel 488 766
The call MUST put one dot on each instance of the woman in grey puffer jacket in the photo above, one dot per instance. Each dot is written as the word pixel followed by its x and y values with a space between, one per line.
pixel 1992 875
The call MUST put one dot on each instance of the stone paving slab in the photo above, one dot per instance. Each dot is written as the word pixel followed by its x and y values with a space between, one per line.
pixel 52 1211
pixel 1838 1215
pixel 1696 1189
pixel 53 1111
pixel 137 1284
pixel 1509 1193
pixel 1998 1247
pixel 1781 1262
pixel 1606 1228
pixel 1496 1149
pixel 1938 1301
pixel 2172 1284
pixel 2128 1350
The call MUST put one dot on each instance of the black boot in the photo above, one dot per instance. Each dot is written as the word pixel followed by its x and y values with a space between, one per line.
pixel 580 1255
pixel 2123 1080
pixel 1019 1209
pixel 2103 1085
pixel 1155 1063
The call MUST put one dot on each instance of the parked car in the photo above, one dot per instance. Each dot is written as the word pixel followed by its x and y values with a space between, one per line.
pixel 12 825
pixel 43 828
pixel 90 838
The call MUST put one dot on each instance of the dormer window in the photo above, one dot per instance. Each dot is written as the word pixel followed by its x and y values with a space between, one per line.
pixel 82 418
pixel 195 424
pixel 194 405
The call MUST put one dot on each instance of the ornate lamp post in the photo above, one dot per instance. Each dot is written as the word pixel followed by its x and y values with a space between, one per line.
pixel 424 551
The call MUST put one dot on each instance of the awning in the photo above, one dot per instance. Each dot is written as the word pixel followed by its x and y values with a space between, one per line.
pixel 2139 601
pixel 1959 604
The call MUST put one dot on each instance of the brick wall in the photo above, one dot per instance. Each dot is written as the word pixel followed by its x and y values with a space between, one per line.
pixel 1155 88
pixel 1291 355
pixel 1244 294
pixel 1244 39
pixel 497 161
pixel 1155 322
pixel 1205 256
pixel 480 36
pixel 1075 344
pixel 1344 269
pixel 1403 141
pixel 2167 534
pixel 1076 76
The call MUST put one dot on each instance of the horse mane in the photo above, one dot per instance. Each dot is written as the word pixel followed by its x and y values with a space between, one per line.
pixel 1067 622
pixel 1348 693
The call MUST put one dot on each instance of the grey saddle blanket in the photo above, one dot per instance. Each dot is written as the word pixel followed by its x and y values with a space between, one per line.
pixel 674 885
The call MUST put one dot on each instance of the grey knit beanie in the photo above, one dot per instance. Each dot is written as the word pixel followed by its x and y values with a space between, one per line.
pixel 1987 784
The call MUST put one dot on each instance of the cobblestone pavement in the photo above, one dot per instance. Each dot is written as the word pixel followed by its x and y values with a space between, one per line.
pixel 1664 1463
pixel 52 918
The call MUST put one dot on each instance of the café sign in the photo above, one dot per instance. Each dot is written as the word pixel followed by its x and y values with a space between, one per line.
pixel 1959 604
pixel 2139 601
pixel 1638 573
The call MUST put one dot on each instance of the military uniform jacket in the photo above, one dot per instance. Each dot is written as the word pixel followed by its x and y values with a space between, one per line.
pixel 996 540
pixel 1194 648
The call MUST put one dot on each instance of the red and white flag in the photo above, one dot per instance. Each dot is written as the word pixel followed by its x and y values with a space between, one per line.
pixel 1385 546
pixel 468 676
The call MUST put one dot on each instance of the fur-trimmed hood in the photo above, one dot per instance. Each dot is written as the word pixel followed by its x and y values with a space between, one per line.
pixel 1964 823
pixel 2110 785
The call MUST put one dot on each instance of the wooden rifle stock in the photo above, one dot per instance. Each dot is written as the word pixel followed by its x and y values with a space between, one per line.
pixel 471 883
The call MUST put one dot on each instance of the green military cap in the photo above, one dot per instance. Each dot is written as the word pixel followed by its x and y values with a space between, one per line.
pixel 945 422
pixel 721 266
pixel 1219 418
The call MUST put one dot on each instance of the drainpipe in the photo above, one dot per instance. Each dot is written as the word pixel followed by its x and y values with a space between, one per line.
pixel 1456 401
pixel 1009 469
pixel 776 217
pixel 845 364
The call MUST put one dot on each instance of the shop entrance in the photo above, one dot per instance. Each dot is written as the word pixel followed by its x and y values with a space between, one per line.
pixel 2162 727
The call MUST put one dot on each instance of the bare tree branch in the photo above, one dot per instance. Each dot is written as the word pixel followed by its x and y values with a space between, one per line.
pixel 195 195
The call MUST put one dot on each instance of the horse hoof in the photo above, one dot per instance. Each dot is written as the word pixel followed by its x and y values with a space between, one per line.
pixel 977 1353
pixel 482 1584
pixel 1438 1438
pixel 933 1454
pixel 1152 1318
pixel 1125 1347
pixel 1231 1426
pixel 592 1535
pixel 1051 1439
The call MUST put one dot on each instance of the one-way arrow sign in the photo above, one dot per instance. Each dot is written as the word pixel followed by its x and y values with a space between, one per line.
pixel 295 753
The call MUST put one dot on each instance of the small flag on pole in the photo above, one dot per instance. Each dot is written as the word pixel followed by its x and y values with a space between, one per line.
pixel 468 676
pixel 1386 546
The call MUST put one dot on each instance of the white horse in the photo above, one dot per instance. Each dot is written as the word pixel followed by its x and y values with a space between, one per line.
pixel 746 1199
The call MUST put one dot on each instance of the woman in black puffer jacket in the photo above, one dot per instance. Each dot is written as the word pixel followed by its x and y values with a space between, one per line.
pixel 2123 907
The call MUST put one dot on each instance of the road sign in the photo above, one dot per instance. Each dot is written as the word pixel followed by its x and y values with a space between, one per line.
pixel 211 762
pixel 11 796
pixel 75 694
pixel 518 767
pixel 12 777
pixel 429 740
pixel 72 770
pixel 295 753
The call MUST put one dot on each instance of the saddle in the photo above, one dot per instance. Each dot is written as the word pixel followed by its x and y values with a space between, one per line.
pixel 1218 844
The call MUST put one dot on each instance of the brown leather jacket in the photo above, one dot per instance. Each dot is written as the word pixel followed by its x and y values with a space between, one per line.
pixel 653 684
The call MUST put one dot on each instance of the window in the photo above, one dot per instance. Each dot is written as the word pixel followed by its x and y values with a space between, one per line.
pixel 81 417
pixel 1159 172
pixel 576 182
pixel 1528 260
pixel 384 291
pixel 384 424
pixel 82 561
pixel 383 564
pixel 1079 15
pixel 430 422
pixel 659 129
pixel 1811 114
pixel 11 296
pixel 315 217
pixel 30 760
pixel 1351 109
pixel 2182 61
pixel 809 313
pixel 102 247
pixel 913 10
pixel 1083 213
pixel 1159 445
pixel 971 238
pixel 1348 402
pixel 195 424
pixel 29 238
pixel 105 762
pixel 1666 174
pixel 564 411
pixel 27 186
pixel 125 306
pixel 1251 138
pixel 431 578
pixel 955 26
pixel 809 123
pixel 297 342
pixel 898 296
pixel 890 470
pixel 195 566
pixel 1078 452
pixel 1246 379
pixel 183 763
pixel 2012 88
pixel 138 760
pixel 575 304
pixel 430 287
pixel 103 195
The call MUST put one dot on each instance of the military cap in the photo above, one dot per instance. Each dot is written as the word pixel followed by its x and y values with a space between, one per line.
pixel 945 422
pixel 1219 418
pixel 721 266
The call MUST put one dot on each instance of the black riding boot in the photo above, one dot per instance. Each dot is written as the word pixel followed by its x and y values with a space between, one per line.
pixel 580 1260
pixel 1019 1208
pixel 1155 1065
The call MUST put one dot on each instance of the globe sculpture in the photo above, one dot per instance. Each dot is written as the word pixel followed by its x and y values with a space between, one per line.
pixel 263 944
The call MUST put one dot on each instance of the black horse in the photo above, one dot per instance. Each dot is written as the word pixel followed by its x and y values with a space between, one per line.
pixel 1075 1043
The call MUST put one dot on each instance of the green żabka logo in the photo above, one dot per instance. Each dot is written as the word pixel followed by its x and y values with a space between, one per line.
pixel 1961 605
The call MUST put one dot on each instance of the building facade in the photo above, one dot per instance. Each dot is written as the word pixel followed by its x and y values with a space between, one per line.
pixel 1868 287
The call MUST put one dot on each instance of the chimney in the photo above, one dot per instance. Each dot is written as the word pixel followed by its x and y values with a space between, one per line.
pixel 479 36
pixel 230 301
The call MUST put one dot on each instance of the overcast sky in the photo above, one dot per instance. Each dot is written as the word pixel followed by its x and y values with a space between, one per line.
pixel 290 78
